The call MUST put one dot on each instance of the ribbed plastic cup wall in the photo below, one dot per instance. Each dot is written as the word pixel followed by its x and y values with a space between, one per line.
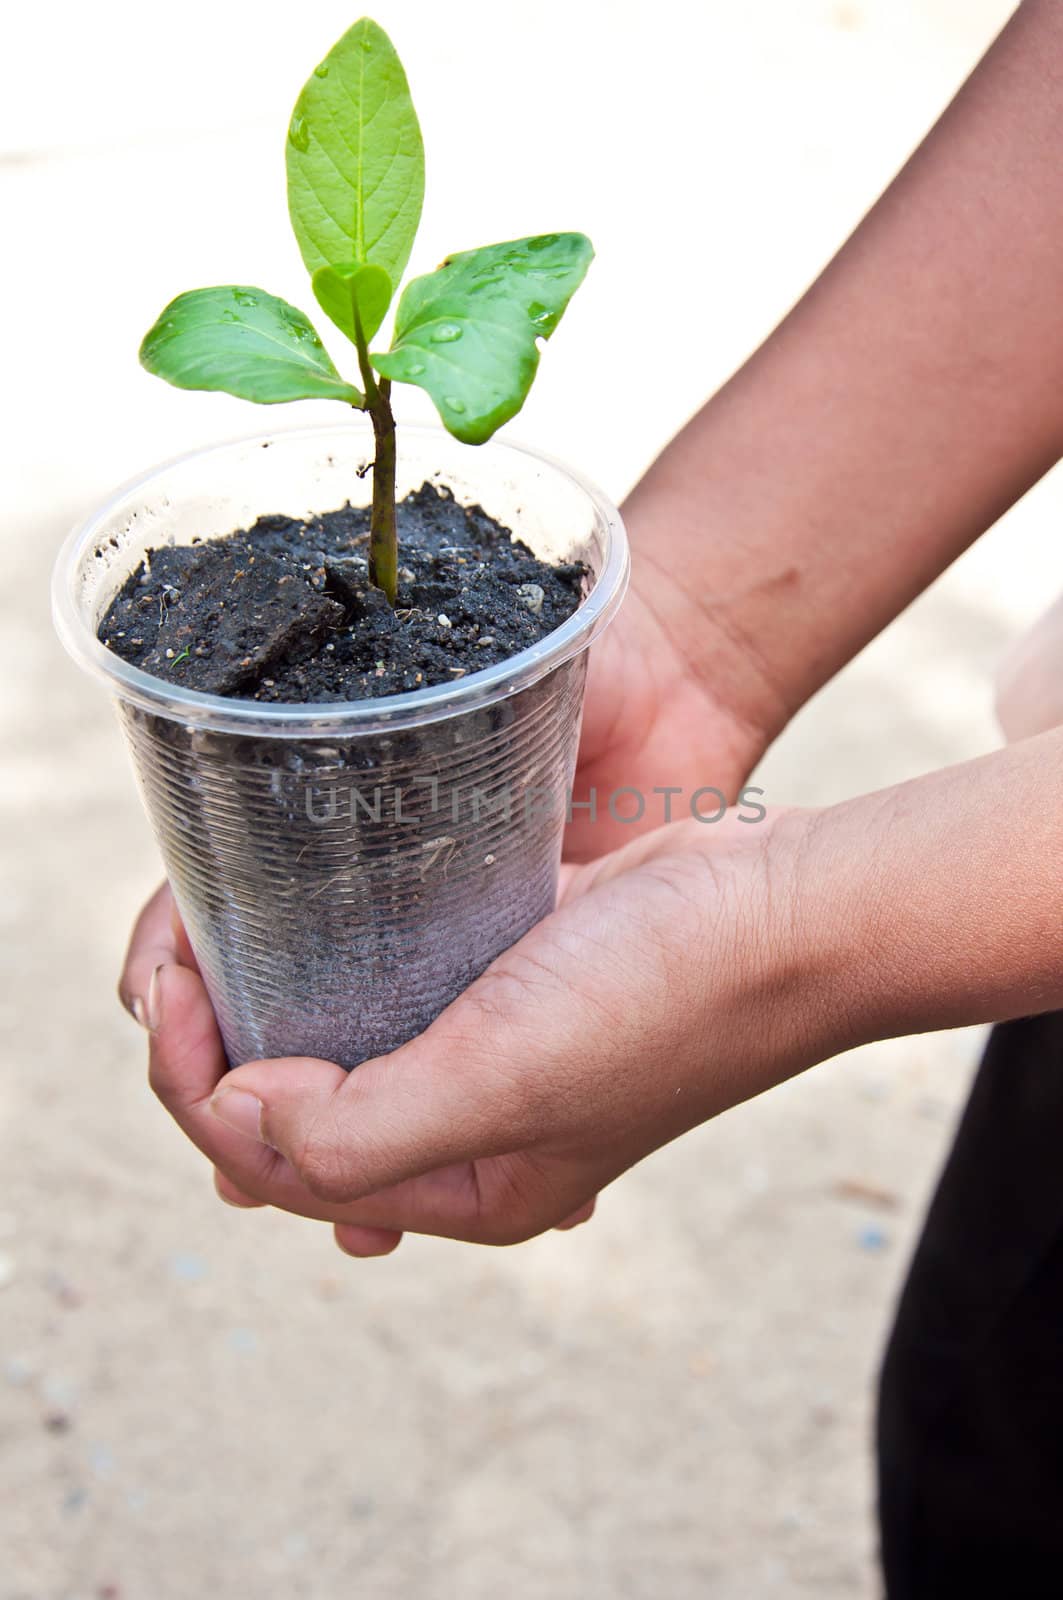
pixel 344 871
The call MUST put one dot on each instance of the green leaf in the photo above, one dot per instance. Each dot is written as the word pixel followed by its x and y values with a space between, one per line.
pixel 245 342
pixel 467 332
pixel 351 293
pixel 355 158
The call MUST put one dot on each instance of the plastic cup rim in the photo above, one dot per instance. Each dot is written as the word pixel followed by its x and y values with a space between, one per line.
pixel 335 718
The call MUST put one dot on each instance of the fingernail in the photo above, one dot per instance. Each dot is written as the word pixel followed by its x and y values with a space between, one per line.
pixel 241 1111
pixel 149 1012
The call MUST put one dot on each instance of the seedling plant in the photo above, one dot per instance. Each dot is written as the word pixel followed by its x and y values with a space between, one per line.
pixel 467 333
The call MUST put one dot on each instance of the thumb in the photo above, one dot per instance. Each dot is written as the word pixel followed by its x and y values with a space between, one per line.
pixel 446 1097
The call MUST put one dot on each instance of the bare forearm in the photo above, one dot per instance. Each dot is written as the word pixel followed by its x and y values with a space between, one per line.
pixel 910 398
pixel 939 902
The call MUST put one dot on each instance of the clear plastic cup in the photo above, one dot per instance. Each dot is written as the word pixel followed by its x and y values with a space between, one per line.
pixel 344 871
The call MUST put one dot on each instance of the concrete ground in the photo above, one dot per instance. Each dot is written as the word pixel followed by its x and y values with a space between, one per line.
pixel 676 1400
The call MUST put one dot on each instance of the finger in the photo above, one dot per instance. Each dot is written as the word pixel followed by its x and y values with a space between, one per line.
pixel 274 1152
pixel 185 954
pixel 186 1055
pixel 232 1194
pixel 349 1135
pixel 477 1129
pixel 365 1242
pixel 152 943
pixel 186 1063
pixel 583 1214
pixel 446 1203
pixel 500 1074
pixel 437 1137
pixel 188 1066
pixel 451 1203
pixel 503 1205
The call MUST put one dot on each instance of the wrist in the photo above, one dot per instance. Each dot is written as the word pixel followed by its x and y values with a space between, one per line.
pixel 682 640
pixel 729 609
pixel 935 904
pixel 810 931
pixel 771 958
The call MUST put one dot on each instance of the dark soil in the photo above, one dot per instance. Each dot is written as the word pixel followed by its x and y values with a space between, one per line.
pixel 284 611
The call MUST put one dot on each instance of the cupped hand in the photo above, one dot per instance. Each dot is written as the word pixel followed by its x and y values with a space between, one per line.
pixel 655 719
pixel 669 984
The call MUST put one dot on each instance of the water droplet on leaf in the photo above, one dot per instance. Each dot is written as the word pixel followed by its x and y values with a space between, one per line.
pixel 242 298
pixel 414 368
pixel 542 243
pixel 321 70
pixel 539 314
pixel 299 133
pixel 229 316
pixel 457 406
pixel 446 333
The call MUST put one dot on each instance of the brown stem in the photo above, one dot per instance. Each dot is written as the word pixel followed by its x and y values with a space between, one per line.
pixel 383 541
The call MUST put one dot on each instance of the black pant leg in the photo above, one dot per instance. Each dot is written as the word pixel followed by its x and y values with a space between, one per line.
pixel 970 1434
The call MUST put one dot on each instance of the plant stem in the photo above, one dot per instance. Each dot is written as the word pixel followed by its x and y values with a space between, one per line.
pixel 383 539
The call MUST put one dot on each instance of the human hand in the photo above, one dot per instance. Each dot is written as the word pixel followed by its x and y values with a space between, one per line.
pixel 670 984
pixel 656 716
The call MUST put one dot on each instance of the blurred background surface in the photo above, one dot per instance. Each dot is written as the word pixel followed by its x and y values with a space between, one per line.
pixel 675 1400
